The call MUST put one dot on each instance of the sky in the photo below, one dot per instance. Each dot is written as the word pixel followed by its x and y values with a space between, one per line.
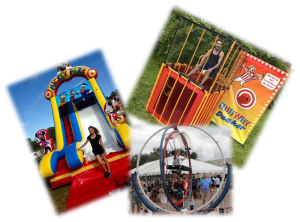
pixel 203 144
pixel 28 95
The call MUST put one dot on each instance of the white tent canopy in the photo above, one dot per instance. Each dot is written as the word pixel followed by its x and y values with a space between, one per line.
pixel 153 168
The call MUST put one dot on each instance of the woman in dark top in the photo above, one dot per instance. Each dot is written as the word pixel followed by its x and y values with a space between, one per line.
pixel 150 187
pixel 154 193
pixel 98 150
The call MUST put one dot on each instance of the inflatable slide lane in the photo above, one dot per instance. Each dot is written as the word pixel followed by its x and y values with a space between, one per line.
pixel 73 112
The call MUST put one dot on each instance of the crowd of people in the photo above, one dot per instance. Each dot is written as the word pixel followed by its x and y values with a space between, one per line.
pixel 202 189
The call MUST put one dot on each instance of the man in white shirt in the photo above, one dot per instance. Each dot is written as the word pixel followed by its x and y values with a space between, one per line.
pixel 217 182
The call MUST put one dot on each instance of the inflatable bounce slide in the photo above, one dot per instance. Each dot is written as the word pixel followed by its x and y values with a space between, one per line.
pixel 73 112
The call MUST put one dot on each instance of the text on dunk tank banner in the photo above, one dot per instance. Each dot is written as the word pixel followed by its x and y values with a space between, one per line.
pixel 253 89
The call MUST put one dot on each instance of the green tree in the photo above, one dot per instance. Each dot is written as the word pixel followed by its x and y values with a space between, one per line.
pixel 28 140
pixel 154 155
pixel 182 152
pixel 143 159
pixel 117 92
pixel 33 145
pixel 51 133
pixel 194 156
pixel 133 161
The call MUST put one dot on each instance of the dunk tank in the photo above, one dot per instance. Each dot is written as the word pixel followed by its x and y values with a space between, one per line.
pixel 181 100
pixel 73 112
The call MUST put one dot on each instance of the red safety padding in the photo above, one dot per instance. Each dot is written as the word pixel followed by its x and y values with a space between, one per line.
pixel 62 169
pixel 91 184
pixel 62 182
pixel 61 164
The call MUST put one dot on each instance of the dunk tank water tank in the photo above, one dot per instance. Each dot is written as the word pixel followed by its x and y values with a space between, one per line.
pixel 73 112
pixel 181 100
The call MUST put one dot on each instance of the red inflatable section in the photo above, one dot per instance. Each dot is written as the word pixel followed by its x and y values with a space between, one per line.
pixel 64 175
pixel 91 184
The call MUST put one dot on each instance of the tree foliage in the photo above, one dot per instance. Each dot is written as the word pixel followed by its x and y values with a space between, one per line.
pixel 154 155
pixel 28 140
pixel 165 39
pixel 51 133
pixel 194 156
pixel 117 92
pixel 33 145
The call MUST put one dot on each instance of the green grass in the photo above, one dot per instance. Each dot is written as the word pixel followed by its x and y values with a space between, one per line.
pixel 141 93
pixel 57 198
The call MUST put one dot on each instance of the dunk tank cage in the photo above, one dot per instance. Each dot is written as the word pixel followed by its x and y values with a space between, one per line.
pixel 181 100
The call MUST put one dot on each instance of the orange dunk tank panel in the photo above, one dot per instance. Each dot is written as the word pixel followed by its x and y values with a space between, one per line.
pixel 176 100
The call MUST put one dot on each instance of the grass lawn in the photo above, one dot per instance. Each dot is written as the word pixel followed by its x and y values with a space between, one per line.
pixel 57 198
pixel 141 93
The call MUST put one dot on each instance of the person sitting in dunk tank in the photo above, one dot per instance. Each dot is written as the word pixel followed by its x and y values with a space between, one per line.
pixel 175 172
pixel 214 61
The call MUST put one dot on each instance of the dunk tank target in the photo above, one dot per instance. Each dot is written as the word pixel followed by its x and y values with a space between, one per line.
pixel 245 98
pixel 181 100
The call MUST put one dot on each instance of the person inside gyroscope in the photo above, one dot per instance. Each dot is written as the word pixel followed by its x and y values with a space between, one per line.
pixel 177 147
pixel 176 169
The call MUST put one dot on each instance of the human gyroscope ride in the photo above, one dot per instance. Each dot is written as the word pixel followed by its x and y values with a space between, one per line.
pixel 175 146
